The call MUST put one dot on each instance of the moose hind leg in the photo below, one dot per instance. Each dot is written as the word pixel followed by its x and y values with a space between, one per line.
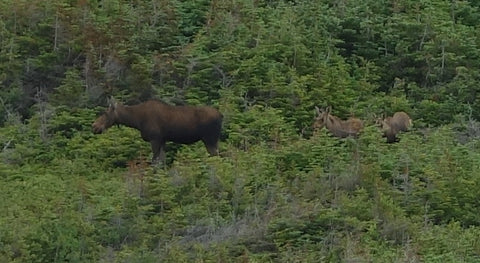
pixel 212 147
pixel 158 149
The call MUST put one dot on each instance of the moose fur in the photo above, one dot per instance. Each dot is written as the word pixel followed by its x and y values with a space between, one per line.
pixel 159 122
pixel 338 127
pixel 391 126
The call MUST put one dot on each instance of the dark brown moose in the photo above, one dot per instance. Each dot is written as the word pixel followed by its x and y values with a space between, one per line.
pixel 339 128
pixel 159 122
pixel 391 126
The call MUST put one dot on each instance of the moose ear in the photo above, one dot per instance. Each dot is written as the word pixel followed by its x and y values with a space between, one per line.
pixel 317 110
pixel 328 109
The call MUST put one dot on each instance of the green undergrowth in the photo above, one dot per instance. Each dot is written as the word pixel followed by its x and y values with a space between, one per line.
pixel 81 198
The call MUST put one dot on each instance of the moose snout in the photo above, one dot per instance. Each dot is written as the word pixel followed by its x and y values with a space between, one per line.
pixel 97 128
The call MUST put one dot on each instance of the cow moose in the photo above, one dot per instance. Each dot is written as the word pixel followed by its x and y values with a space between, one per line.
pixel 391 126
pixel 159 122
pixel 338 127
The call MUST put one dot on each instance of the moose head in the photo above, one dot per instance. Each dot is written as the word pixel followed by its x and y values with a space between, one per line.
pixel 107 119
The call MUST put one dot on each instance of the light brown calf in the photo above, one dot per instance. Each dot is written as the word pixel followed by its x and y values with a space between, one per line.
pixel 338 127
pixel 391 126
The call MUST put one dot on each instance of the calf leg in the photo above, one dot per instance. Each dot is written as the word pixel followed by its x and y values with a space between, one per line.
pixel 391 138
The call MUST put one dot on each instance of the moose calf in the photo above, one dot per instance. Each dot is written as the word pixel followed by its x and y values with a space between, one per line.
pixel 391 126
pixel 339 128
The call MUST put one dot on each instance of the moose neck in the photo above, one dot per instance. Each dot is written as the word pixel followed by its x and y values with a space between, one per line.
pixel 126 116
pixel 332 122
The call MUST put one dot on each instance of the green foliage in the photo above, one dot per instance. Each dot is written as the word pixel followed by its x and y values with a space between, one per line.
pixel 278 192
pixel 71 92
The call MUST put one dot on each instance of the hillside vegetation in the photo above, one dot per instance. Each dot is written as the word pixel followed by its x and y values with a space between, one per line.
pixel 278 192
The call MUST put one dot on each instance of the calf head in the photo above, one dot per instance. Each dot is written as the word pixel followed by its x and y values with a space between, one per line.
pixel 320 118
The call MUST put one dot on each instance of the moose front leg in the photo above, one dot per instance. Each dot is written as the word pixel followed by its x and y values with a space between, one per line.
pixel 158 149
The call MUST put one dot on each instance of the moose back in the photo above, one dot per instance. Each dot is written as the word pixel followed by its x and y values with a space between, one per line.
pixel 159 122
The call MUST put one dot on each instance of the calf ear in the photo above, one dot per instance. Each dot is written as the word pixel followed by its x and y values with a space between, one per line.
pixel 317 111
pixel 328 109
